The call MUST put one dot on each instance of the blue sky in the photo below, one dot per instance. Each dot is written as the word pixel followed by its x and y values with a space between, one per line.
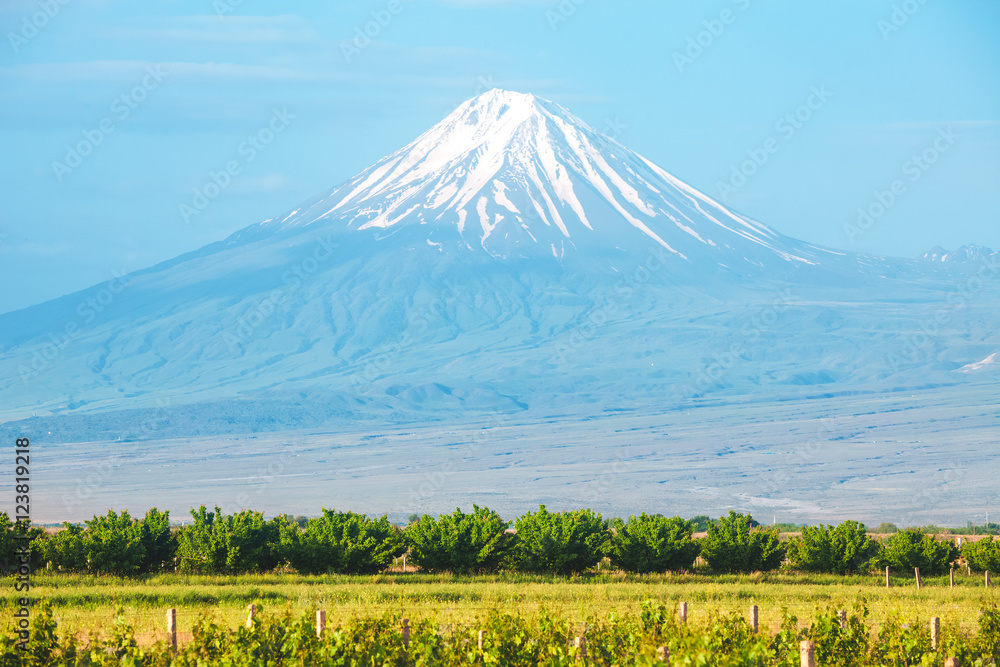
pixel 161 95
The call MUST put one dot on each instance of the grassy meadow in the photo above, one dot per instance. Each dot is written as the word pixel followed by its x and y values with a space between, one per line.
pixel 87 604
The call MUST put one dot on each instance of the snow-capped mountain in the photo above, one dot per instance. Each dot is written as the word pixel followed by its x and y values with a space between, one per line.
pixel 510 259
pixel 967 253
pixel 517 176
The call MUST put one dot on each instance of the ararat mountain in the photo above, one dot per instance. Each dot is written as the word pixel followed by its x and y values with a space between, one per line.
pixel 510 260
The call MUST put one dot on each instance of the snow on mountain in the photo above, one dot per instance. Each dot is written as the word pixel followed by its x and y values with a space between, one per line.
pixel 517 176
pixel 990 362
pixel 965 254
pixel 510 259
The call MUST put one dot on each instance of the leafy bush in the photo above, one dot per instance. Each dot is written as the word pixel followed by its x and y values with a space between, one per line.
pixel 983 555
pixel 989 634
pixel 652 544
pixel 113 544
pixel 515 640
pixel 911 548
pixel 700 523
pixel 844 549
pixel 158 542
pixel 559 542
pixel 733 544
pixel 14 535
pixel 838 644
pixel 341 542
pixel 65 550
pixel 219 544
pixel 460 542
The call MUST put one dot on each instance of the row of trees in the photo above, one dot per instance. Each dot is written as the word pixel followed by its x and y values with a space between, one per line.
pixel 480 541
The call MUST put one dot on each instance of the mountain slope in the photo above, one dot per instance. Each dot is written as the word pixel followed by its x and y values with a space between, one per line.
pixel 510 259
pixel 519 176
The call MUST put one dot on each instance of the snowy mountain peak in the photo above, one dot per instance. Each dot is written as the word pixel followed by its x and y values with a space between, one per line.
pixel 967 253
pixel 517 176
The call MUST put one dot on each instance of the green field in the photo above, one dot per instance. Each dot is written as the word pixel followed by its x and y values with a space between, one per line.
pixel 85 604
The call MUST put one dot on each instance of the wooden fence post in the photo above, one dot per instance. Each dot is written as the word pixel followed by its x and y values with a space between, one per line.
pixel 935 632
pixel 888 584
pixel 172 628
pixel 988 582
pixel 581 644
pixel 320 622
pixel 754 618
pixel 481 637
pixel 842 618
pixel 916 573
pixel 663 654
pixel 807 654
pixel 251 612
pixel 682 612
pixel 951 578
pixel 406 633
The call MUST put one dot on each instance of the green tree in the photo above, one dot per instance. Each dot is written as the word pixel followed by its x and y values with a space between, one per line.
pixel 912 548
pixel 844 549
pixel 983 555
pixel 459 542
pixel 886 528
pixel 14 535
pixel 219 544
pixel 733 544
pixel 699 524
pixel 652 543
pixel 158 541
pixel 65 549
pixel 341 542
pixel 8 543
pixel 113 544
pixel 559 542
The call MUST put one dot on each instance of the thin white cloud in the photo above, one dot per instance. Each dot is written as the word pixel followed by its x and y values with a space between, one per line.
pixel 128 70
pixel 284 29
pixel 42 249
pixel 485 3
pixel 934 125
pixel 272 182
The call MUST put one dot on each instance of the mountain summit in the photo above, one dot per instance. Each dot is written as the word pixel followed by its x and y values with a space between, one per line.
pixel 518 176
pixel 510 259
